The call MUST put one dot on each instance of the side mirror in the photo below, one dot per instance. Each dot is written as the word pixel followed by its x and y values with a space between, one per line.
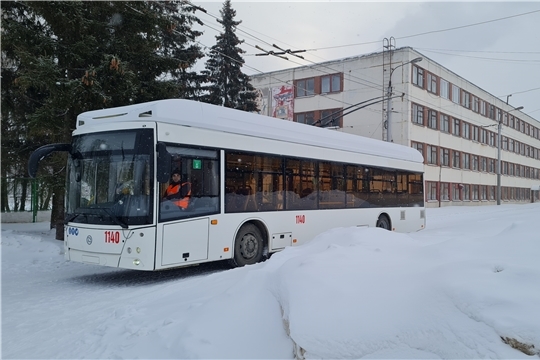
pixel 164 161
pixel 41 153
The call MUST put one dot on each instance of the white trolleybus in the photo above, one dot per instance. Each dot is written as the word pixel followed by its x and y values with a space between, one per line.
pixel 257 185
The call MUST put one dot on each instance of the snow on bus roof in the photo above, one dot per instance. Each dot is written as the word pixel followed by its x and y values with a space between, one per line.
pixel 207 116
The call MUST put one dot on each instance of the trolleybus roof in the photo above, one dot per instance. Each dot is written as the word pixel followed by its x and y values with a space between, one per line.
pixel 201 115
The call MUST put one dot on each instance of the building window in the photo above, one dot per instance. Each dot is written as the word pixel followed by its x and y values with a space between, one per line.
pixel 431 83
pixel 431 152
pixel 445 123
pixel 432 119
pixel 475 192
pixel 418 114
pixel 483 192
pixel 305 87
pixel 474 161
pixel 491 111
pixel 483 136
pixel 456 156
pixel 456 192
pixel 431 190
pixel 445 157
pixel 306 118
pixel 418 146
pixel 474 133
pixel 418 76
pixel 456 127
pixel 491 165
pixel 445 191
pixel 492 193
pixel 466 161
pixel 466 192
pixel 465 99
pixel 491 136
pixel 483 164
pixel 465 127
pixel 475 104
pixel 510 121
pixel 331 83
pixel 455 94
pixel 444 89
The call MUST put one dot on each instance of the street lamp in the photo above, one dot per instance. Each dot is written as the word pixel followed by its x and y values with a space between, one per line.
pixel 389 98
pixel 499 156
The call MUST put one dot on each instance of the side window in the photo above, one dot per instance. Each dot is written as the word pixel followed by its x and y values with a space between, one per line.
pixel 331 186
pixel 195 191
pixel 253 182
pixel 301 184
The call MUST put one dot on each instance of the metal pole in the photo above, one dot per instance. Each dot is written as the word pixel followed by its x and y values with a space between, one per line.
pixel 499 164
pixel 389 94
pixel 34 201
pixel 389 111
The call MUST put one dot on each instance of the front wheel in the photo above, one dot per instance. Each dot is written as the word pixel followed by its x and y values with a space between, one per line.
pixel 383 222
pixel 248 246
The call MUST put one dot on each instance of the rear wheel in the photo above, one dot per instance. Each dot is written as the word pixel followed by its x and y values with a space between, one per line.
pixel 248 246
pixel 383 222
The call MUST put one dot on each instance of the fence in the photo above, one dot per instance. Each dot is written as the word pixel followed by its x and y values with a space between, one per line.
pixel 22 197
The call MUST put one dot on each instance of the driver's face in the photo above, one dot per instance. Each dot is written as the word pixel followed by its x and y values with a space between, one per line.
pixel 176 177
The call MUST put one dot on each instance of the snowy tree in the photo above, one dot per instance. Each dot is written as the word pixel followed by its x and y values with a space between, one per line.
pixel 227 85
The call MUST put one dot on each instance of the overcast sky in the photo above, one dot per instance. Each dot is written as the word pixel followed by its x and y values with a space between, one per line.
pixel 501 54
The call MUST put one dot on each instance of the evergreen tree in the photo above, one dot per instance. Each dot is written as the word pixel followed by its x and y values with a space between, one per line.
pixel 227 85
pixel 62 58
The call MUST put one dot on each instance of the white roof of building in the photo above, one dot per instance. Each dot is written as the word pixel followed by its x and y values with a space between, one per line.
pixel 218 118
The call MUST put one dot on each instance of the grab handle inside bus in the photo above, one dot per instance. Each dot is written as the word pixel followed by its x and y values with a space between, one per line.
pixel 164 161
pixel 41 153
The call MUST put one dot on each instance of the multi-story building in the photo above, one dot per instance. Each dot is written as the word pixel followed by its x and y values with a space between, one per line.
pixel 452 122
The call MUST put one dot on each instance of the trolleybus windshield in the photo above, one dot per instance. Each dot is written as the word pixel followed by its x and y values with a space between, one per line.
pixel 109 179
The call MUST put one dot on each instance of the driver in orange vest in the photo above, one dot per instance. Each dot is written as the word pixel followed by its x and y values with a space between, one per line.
pixel 178 192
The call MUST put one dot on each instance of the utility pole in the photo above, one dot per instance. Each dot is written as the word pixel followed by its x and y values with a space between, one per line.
pixel 389 97
pixel 389 44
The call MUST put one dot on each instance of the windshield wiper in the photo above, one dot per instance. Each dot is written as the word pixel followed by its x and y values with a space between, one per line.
pixel 115 218
pixel 70 218
pixel 107 211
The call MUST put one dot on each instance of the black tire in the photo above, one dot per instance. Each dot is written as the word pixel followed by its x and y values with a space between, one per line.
pixel 248 246
pixel 383 222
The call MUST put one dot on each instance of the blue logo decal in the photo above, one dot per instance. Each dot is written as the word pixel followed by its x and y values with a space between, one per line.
pixel 73 231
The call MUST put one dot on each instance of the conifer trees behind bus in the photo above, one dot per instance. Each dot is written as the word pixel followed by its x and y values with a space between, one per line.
pixel 61 58
pixel 228 85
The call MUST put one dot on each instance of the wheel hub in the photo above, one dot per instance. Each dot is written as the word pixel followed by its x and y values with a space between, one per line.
pixel 249 246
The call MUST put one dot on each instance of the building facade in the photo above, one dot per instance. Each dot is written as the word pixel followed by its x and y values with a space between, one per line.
pixel 452 122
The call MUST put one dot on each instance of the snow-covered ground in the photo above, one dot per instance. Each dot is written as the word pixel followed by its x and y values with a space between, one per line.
pixel 457 289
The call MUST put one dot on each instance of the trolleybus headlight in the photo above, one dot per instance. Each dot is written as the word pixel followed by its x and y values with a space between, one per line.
pixel 136 262
pixel 138 250
pixel 129 250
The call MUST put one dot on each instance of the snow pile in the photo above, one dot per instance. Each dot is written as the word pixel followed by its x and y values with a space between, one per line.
pixel 466 287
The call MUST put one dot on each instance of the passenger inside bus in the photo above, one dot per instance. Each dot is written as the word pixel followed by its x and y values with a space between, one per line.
pixel 178 192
